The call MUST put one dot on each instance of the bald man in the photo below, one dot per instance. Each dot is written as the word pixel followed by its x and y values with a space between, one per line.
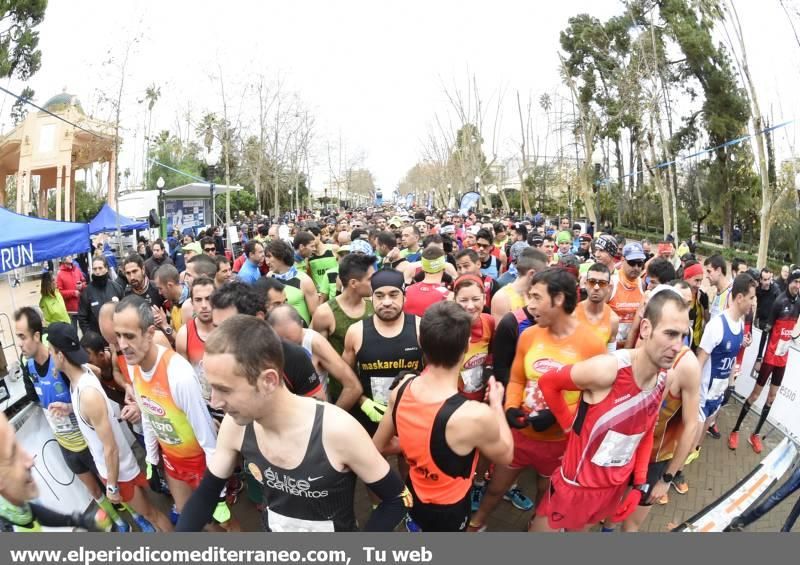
pixel 288 324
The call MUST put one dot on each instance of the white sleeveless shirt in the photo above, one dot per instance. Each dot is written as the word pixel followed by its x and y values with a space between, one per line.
pixel 128 467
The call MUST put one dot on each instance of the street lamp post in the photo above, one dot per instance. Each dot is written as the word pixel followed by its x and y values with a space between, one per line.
pixel 212 159
pixel 291 200
pixel 162 208
pixel 477 189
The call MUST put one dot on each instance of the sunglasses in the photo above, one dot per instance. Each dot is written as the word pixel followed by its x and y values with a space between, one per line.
pixel 209 248
pixel 597 283
pixel 636 263
pixel 484 245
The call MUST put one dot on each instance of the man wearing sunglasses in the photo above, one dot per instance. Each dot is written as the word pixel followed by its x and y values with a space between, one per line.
pixel 209 247
pixel 593 312
pixel 626 294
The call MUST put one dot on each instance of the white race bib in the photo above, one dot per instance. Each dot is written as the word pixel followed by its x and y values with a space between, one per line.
pixel 534 399
pixel 717 388
pixel 472 379
pixel 783 347
pixel 62 425
pixel 380 389
pixel 281 523
pixel 616 450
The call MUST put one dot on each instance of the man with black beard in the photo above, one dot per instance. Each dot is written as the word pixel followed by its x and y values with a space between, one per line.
pixel 381 346
pixel 139 282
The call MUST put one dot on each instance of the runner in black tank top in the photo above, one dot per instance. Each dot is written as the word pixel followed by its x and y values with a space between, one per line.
pixel 310 440
pixel 382 346
pixel 312 497
pixel 380 359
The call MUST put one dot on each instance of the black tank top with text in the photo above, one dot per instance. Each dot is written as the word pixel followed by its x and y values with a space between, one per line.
pixel 381 359
pixel 312 497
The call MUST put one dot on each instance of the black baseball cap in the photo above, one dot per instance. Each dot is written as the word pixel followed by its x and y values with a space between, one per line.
pixel 64 338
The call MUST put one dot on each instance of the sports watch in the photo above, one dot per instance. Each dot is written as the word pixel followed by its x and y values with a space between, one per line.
pixel 667 477
pixel 112 489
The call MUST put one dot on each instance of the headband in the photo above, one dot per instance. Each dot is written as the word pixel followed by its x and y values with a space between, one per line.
pixel 433 266
pixel 387 277
pixel 462 278
pixel 692 271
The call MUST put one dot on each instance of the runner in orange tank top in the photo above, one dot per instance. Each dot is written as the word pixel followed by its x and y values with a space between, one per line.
pixel 627 295
pixel 556 340
pixel 593 312
pixel 439 430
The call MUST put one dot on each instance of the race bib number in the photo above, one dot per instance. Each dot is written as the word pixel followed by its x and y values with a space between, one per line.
pixel 783 347
pixel 472 379
pixel 62 425
pixel 380 389
pixel 616 450
pixel 534 399
pixel 281 523
pixel 717 388
pixel 164 430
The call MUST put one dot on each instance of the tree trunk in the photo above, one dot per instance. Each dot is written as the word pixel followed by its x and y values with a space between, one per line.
pixel 504 200
pixel 727 223
pixel 658 181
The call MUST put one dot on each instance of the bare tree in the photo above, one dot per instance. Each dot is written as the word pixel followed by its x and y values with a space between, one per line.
pixel 772 195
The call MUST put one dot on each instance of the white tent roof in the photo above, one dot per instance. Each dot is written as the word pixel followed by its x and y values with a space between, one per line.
pixel 199 190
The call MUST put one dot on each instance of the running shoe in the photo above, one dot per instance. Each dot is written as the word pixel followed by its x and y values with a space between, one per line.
pixel 755 441
pixel 412 526
pixel 174 515
pixel 679 484
pixel 478 528
pixel 122 527
pixel 477 496
pixel 733 440
pixel 737 525
pixel 713 431
pixel 518 499
pixel 692 456
pixel 144 525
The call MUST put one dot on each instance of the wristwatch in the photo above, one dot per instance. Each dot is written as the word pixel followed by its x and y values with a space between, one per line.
pixel 167 330
pixel 112 489
pixel 667 477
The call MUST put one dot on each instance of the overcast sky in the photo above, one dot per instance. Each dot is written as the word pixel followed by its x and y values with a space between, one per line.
pixel 372 72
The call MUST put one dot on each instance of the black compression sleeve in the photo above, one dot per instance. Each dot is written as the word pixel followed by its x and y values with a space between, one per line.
pixel 395 502
pixel 199 508
pixel 764 338
pixel 504 347
pixel 51 518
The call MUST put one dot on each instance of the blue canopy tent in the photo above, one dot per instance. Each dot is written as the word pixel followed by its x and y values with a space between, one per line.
pixel 106 221
pixel 26 239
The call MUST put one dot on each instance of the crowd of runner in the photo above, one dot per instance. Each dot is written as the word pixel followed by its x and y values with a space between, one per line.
pixel 432 357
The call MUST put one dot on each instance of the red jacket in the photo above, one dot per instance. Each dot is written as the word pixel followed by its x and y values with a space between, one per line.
pixel 67 282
